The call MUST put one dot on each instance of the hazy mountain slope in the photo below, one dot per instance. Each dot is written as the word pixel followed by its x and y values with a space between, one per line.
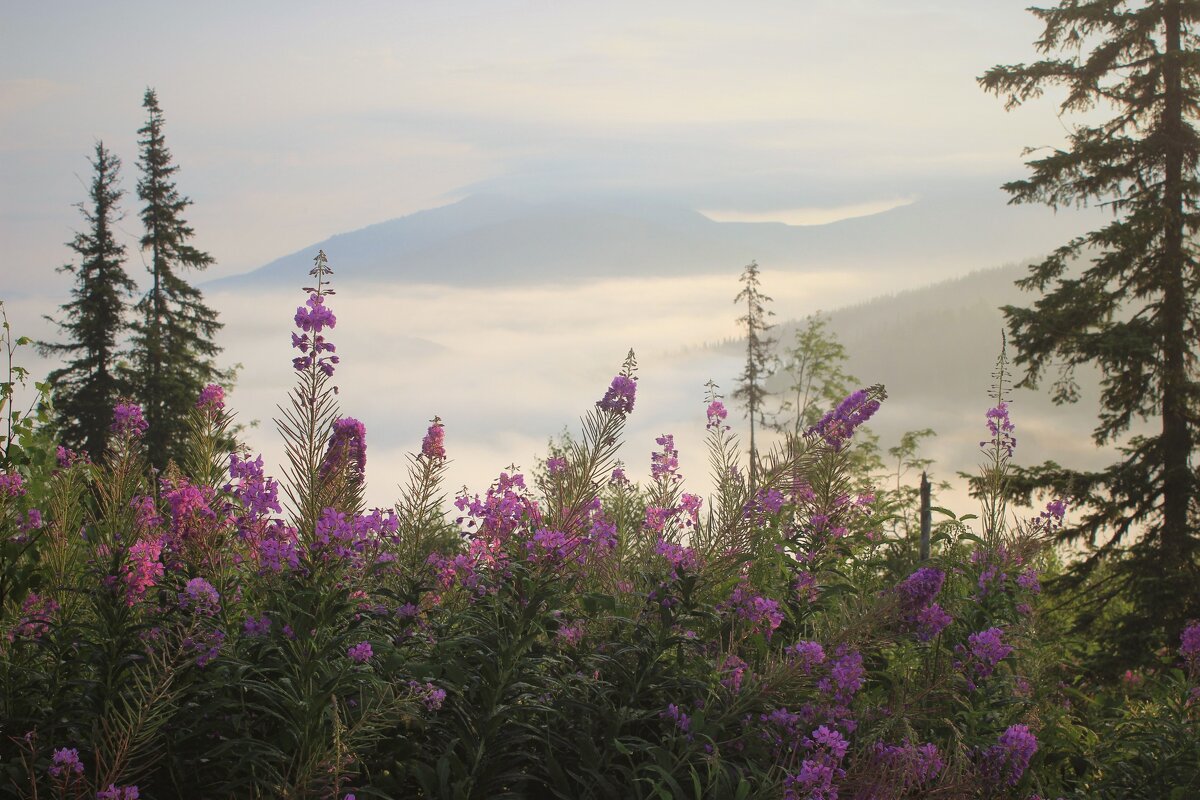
pixel 494 240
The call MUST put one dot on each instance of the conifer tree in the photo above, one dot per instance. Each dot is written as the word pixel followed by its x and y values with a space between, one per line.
pixel 751 384
pixel 88 386
pixel 173 347
pixel 1123 297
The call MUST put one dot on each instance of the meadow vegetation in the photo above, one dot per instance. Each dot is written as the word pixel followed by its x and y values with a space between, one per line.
pixel 209 631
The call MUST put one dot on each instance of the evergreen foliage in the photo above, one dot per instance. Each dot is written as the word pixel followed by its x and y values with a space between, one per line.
pixel 89 384
pixel 173 347
pixel 751 386
pixel 1132 309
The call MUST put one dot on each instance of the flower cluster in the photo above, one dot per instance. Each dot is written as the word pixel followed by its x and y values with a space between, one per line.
pixel 143 568
pixel 906 766
pixel 114 792
pixel 619 397
pixel 347 451
pixel 838 425
pixel 37 613
pixel 128 421
pixel 805 655
pixel 11 484
pixel 716 414
pixel 984 651
pixel 427 694
pixel 433 446
pixel 360 653
pixel 664 465
pixel 200 597
pixel 312 320
pixel 920 614
pixel 1189 648
pixel 1006 761
pixel 760 614
pixel 820 769
pixel 1001 428
pixel 65 762
pixel 211 401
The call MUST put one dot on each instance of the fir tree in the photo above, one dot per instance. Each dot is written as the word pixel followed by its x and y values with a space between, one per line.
pixel 751 384
pixel 173 348
pixel 1131 306
pixel 88 386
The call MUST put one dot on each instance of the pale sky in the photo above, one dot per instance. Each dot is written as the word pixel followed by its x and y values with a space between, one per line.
pixel 292 121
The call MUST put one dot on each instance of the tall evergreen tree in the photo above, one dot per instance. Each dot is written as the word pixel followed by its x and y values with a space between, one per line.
pixel 751 384
pixel 89 384
pixel 1131 307
pixel 173 348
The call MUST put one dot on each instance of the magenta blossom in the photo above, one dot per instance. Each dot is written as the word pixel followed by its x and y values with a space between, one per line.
pixel 128 420
pixel 620 396
pixel 433 446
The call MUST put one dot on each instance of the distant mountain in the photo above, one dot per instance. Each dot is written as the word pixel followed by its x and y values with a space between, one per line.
pixel 500 240
pixel 935 349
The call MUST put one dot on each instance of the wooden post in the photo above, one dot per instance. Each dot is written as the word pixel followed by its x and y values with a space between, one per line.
pixel 926 517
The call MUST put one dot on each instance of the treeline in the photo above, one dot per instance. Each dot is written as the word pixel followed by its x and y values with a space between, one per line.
pixel 155 347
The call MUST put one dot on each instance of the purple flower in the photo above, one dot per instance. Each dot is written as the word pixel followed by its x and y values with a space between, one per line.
pixel 429 695
pixel 682 559
pixel 347 450
pixel 255 628
pixel 761 614
pixel 211 400
pixel 316 317
pixel 1001 428
pixel 37 613
pixel 664 465
pixel 114 792
pixel 920 614
pixel 32 521
pixel 619 397
pixel 1007 760
pixel 11 484
pixel 846 675
pixel 313 320
pixel 1028 580
pixel 200 597
pixel 837 426
pixel 985 650
pixel 65 761
pixel 128 420
pixel 683 723
pixel 360 653
pixel 1189 647
pixel 807 655
pixel 556 466
pixel 921 587
pixel 716 415
pixel 433 446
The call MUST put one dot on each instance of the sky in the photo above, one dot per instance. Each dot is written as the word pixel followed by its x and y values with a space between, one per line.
pixel 293 121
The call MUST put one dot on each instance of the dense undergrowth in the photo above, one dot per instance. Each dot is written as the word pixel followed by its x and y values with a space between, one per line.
pixel 208 632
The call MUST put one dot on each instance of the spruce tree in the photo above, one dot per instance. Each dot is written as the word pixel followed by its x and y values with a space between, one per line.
pixel 173 347
pixel 751 384
pixel 1122 297
pixel 88 386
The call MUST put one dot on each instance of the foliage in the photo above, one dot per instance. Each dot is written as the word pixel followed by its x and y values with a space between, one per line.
pixel 90 383
pixel 181 634
pixel 173 343
pixel 1131 309
pixel 751 388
